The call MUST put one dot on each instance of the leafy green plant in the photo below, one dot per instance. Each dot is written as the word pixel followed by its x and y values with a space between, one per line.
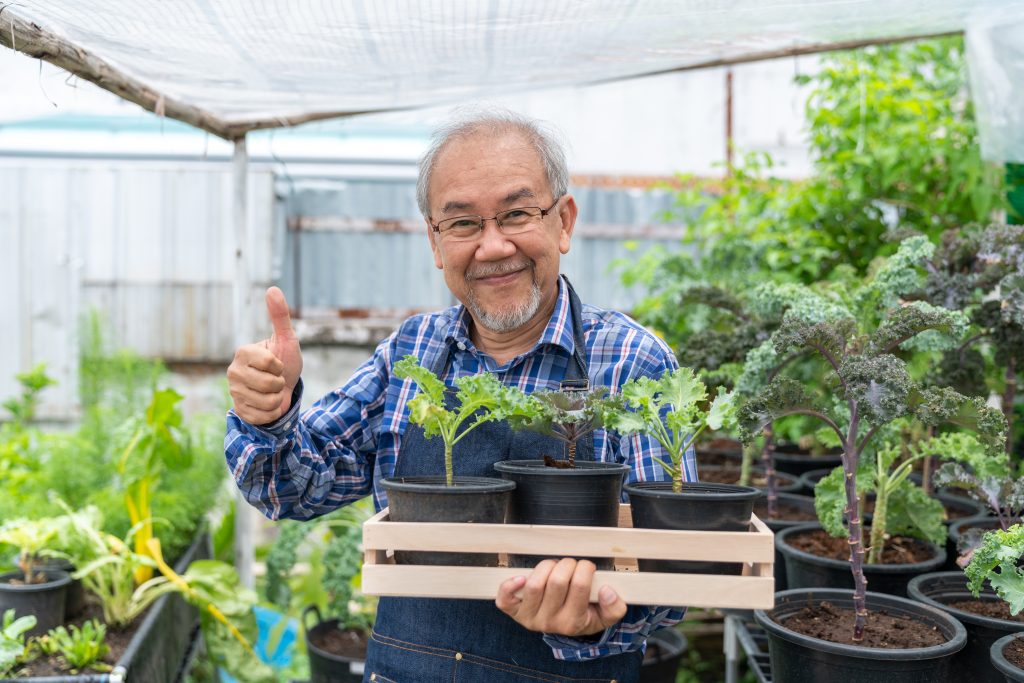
pixel 671 410
pixel 158 441
pixel 13 648
pixel 998 561
pixel 23 408
pixel 31 538
pixel 872 388
pixel 989 479
pixel 567 416
pixel 79 648
pixel 479 398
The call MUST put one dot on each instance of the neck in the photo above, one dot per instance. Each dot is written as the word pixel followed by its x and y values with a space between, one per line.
pixel 504 346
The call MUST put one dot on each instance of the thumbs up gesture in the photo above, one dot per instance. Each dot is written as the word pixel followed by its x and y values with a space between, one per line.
pixel 262 375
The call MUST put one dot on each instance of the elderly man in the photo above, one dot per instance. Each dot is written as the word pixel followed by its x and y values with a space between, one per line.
pixel 493 190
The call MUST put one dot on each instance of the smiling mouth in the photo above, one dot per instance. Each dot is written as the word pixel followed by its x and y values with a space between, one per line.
pixel 499 276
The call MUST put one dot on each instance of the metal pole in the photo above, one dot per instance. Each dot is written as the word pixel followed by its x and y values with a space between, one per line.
pixel 245 520
pixel 730 645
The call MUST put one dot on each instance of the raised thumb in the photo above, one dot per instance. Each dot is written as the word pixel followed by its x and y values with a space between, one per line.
pixel 280 318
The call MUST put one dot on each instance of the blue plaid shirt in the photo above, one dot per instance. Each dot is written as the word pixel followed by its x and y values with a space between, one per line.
pixel 337 452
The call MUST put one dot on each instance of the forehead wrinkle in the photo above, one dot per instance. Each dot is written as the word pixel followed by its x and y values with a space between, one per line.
pixel 511 198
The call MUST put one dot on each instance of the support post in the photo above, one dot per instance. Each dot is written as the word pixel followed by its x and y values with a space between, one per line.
pixel 245 518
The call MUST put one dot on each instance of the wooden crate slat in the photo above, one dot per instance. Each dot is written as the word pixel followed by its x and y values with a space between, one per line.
pixel 636 588
pixel 536 539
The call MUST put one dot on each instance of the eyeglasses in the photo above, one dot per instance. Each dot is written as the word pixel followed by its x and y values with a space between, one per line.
pixel 510 222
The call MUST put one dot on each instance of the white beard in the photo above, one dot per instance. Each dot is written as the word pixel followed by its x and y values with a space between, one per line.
pixel 508 319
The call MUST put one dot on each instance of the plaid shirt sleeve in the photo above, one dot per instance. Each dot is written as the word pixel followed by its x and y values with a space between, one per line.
pixel 300 468
pixel 651 357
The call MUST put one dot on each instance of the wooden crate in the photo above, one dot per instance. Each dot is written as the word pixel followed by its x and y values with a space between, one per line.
pixel 754 548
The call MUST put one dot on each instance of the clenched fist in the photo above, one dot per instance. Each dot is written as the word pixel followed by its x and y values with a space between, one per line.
pixel 262 375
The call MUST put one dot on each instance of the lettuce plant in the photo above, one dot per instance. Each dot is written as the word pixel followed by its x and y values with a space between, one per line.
pixel 998 561
pixel 481 398
pixel 31 538
pixel 79 648
pixel 871 388
pixel 13 649
pixel 672 411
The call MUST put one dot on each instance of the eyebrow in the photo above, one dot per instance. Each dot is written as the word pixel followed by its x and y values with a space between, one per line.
pixel 510 198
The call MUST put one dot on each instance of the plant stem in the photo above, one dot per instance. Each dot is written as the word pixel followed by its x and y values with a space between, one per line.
pixel 745 463
pixel 449 474
pixel 878 523
pixel 572 454
pixel 771 481
pixel 1009 396
pixel 860 583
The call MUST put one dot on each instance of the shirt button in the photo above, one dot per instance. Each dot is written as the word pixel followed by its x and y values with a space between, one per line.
pixel 462 346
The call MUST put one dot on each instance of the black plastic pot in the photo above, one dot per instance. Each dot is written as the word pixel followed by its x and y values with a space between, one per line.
pixel 940 588
pixel 324 666
pixel 1012 674
pixel 796 461
pixel 665 649
pixel 956 532
pixel 483 500
pixel 720 452
pixel 797 658
pixel 76 593
pixel 784 483
pixel 45 601
pixel 810 479
pixel 699 507
pixel 777 525
pixel 804 570
pixel 585 495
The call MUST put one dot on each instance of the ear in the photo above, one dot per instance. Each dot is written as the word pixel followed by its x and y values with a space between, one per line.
pixel 434 246
pixel 567 213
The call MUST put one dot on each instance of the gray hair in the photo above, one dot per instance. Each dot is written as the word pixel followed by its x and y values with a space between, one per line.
pixel 495 122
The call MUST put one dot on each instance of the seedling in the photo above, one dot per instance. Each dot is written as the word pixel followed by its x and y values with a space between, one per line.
pixel 567 416
pixel 80 648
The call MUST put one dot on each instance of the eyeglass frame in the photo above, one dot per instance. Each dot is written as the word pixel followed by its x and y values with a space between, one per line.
pixel 543 214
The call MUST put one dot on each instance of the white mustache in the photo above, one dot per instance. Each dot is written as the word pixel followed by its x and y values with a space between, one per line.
pixel 497 269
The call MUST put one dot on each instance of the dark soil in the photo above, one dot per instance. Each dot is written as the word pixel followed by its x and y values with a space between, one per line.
pixel 898 549
pixel 994 609
pixel 784 511
pixel 825 621
pixel 1014 652
pixel 558 464
pixel 951 512
pixel 116 639
pixel 349 643
pixel 732 476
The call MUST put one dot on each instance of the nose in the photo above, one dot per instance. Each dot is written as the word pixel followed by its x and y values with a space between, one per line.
pixel 494 245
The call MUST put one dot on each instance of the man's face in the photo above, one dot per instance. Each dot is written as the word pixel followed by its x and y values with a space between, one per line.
pixel 504 280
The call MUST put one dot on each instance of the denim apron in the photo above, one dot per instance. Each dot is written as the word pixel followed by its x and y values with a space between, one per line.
pixel 470 641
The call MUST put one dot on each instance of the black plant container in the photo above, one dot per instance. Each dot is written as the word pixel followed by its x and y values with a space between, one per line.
pixel 796 461
pixel 482 500
pixel 1012 674
pixel 941 588
pixel 796 658
pixel 957 530
pixel 699 507
pixel 810 479
pixel 584 495
pixel 669 646
pixel 327 667
pixel 777 525
pixel 45 601
pixel 75 603
pixel 804 570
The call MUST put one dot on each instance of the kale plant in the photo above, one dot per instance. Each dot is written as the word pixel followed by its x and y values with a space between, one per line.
pixel 567 416
pixel 871 388
pixel 998 561
pixel 987 477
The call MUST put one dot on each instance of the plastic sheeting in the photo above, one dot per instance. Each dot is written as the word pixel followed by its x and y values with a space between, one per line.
pixel 233 65
pixel 995 58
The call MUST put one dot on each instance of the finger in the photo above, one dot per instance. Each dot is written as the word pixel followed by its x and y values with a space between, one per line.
pixel 258 401
pixel 265 360
pixel 577 597
pixel 508 601
pixel 254 416
pixel 533 590
pixel 557 587
pixel 260 381
pixel 280 316
pixel 610 607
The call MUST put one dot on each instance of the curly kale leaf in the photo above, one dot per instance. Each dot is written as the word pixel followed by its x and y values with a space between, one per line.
pixel 996 561
pixel 963 371
pixel 783 396
pixel 283 554
pixel 941 405
pixel 902 327
pixel 880 385
pixel 899 274
pixel 715 297
pixel 829 337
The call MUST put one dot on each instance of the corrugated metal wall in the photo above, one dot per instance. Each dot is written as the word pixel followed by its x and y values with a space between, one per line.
pixel 148 245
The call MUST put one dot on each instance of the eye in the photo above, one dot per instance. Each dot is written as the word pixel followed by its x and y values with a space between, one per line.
pixel 515 213
pixel 463 223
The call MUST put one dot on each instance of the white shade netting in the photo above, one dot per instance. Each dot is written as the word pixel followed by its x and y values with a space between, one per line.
pixel 233 65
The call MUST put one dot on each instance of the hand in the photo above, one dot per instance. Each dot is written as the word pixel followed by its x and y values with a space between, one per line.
pixel 555 598
pixel 263 375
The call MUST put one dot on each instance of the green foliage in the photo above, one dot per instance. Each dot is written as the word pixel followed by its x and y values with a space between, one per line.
pixel 23 408
pixel 998 561
pixel 564 415
pixel 13 649
pixel 32 539
pixel 672 410
pixel 79 648
pixel 482 397
pixel 983 471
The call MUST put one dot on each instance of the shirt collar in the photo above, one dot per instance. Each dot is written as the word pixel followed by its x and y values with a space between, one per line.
pixel 557 332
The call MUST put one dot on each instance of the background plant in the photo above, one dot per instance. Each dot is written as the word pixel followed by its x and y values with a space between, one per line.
pixel 13 646
pixel 79 648
pixel 998 561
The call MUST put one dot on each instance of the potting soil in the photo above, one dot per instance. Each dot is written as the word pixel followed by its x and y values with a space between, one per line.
pixel 993 609
pixel 898 549
pixel 349 643
pixel 1014 652
pixel 825 621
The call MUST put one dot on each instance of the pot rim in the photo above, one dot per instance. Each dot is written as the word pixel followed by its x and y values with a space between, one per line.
pixel 435 484
pixel 584 468
pixel 951 646
pixel 696 490
pixel 914 567
pixel 324 626
pixel 999 660
pixel 56 579
pixel 915 592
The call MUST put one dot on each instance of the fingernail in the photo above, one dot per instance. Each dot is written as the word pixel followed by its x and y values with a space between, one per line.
pixel 606 595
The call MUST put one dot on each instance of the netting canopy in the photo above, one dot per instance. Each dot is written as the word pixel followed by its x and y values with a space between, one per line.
pixel 229 66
